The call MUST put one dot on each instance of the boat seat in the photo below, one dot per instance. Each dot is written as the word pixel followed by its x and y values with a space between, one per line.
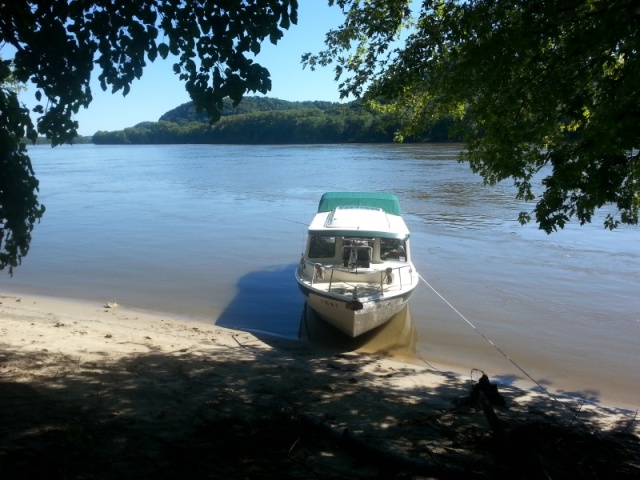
pixel 363 257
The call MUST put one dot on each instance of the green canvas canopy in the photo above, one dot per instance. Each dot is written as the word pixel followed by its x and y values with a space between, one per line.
pixel 386 201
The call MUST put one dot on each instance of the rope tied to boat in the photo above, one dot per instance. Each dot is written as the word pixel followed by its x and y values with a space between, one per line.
pixel 526 374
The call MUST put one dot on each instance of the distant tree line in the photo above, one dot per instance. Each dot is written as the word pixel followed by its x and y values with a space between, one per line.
pixel 263 120
pixel 80 139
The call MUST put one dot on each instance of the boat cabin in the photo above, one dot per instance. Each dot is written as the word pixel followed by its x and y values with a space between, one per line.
pixel 356 252
pixel 358 230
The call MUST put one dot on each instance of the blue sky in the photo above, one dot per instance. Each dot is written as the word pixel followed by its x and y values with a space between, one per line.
pixel 160 90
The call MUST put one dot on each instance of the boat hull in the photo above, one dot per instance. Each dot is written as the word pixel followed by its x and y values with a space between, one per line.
pixel 356 271
pixel 354 317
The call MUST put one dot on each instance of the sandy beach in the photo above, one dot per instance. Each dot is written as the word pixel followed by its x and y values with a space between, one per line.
pixel 97 390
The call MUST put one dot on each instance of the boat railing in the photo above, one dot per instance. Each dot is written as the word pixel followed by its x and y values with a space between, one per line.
pixel 389 277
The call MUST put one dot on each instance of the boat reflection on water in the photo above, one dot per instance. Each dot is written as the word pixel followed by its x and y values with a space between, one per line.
pixel 397 338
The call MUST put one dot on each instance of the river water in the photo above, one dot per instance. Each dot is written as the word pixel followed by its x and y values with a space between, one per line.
pixel 214 233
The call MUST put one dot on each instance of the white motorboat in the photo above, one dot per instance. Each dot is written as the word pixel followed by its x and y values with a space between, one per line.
pixel 356 271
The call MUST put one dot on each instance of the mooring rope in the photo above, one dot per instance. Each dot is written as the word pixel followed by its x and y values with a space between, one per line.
pixel 547 392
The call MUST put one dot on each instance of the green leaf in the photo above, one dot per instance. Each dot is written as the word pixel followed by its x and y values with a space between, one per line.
pixel 163 50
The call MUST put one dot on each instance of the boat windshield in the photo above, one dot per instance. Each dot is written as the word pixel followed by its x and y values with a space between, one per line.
pixel 322 247
pixel 393 249
pixel 357 251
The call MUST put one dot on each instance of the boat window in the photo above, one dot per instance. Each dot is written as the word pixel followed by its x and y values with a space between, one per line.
pixel 322 247
pixel 393 249
pixel 358 242
pixel 357 252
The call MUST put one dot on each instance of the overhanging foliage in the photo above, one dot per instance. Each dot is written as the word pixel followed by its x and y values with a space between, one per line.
pixel 550 83
pixel 59 45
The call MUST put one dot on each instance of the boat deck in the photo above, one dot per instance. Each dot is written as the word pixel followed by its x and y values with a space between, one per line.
pixel 361 283
pixel 354 289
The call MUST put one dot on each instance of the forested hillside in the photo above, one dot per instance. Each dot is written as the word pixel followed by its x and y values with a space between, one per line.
pixel 264 120
pixel 186 112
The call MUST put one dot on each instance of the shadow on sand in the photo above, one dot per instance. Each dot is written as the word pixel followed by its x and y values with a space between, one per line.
pixel 204 409
pixel 235 412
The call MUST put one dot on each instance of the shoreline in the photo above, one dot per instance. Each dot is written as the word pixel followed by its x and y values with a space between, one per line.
pixel 105 391
pixel 496 364
pixel 109 315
